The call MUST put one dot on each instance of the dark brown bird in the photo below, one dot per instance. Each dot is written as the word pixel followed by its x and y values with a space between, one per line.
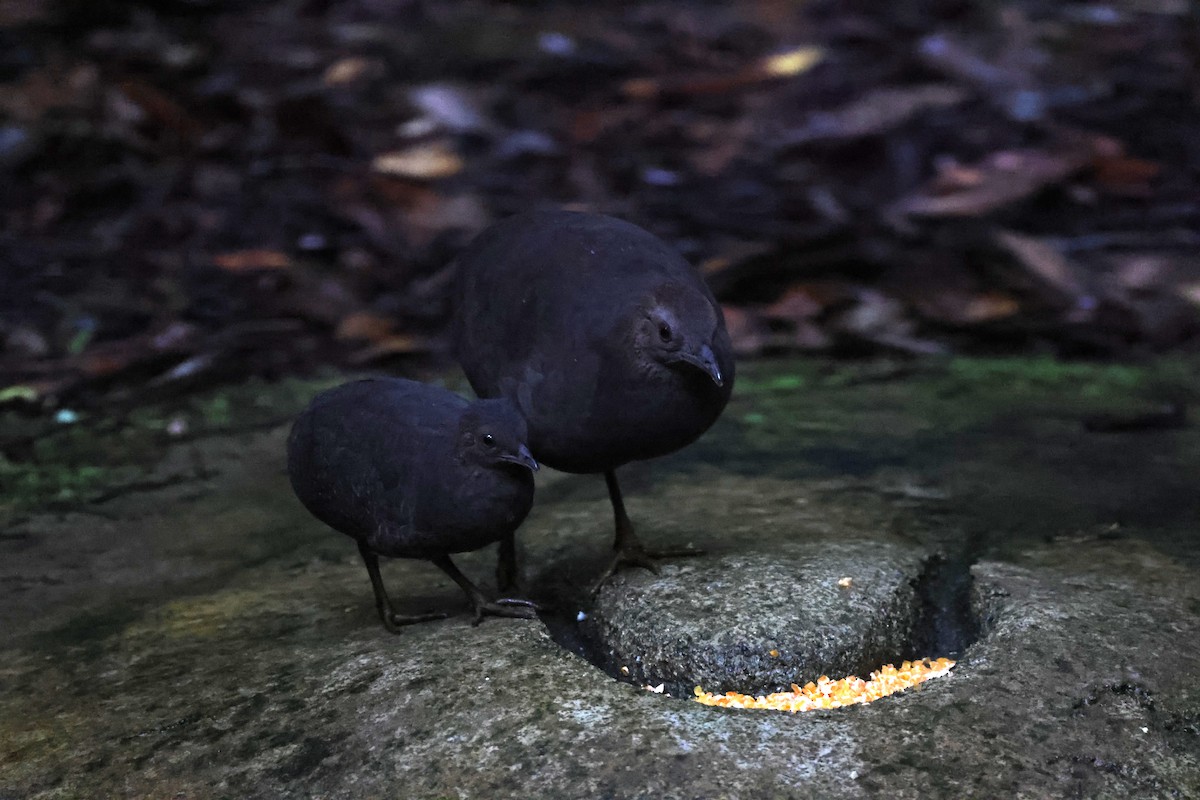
pixel 413 471
pixel 606 340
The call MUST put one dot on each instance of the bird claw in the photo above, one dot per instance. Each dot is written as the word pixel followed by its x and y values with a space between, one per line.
pixel 636 556
pixel 506 607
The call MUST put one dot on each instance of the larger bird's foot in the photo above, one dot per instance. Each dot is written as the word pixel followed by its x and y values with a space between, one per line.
pixel 629 550
pixel 505 607
pixel 630 553
pixel 393 621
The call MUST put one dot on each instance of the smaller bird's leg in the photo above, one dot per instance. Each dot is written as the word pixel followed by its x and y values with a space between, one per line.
pixel 392 620
pixel 503 607
pixel 507 578
pixel 628 548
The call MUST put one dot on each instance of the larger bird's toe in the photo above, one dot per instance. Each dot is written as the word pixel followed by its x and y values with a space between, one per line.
pixel 634 555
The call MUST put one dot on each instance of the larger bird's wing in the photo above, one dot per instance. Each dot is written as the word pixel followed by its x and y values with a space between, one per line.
pixel 539 291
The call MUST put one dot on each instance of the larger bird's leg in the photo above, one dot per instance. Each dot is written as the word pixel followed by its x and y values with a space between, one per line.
pixel 629 549
pixel 627 546
pixel 503 607
pixel 507 578
pixel 392 620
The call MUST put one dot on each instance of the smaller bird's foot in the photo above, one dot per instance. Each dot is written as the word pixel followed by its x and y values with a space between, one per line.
pixel 506 607
pixel 503 607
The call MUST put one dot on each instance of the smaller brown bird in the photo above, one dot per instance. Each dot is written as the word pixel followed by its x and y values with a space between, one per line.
pixel 413 471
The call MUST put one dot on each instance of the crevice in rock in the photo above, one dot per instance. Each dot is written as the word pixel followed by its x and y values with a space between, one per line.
pixel 947 625
pixel 575 636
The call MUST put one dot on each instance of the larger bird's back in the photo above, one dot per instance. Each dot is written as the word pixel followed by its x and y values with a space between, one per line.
pixel 549 282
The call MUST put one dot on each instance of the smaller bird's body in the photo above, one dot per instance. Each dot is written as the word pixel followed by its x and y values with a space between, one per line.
pixel 606 340
pixel 413 471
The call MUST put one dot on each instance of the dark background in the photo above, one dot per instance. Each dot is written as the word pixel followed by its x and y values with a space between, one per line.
pixel 196 191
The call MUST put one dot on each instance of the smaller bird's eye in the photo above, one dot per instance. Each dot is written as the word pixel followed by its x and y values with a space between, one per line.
pixel 664 331
pixel 489 440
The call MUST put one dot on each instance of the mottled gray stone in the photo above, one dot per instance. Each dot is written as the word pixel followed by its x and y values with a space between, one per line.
pixel 763 620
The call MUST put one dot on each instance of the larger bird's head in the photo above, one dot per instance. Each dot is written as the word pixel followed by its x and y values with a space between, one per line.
pixel 493 434
pixel 681 329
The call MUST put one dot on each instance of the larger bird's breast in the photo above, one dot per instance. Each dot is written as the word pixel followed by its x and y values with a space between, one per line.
pixel 625 418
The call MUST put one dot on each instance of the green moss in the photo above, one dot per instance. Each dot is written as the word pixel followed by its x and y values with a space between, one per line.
pixel 47 465
pixel 832 412
pixel 1026 374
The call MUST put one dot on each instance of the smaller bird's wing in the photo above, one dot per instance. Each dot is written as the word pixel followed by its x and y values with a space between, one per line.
pixel 366 446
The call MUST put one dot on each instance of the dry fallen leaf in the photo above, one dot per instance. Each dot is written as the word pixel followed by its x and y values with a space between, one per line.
pixel 1044 263
pixel 874 113
pixel 395 345
pixel 803 301
pixel 792 62
pixel 780 65
pixel 1001 179
pixel 253 259
pixel 989 307
pixel 1126 175
pixel 425 162
pixel 747 330
pixel 161 108
pixel 1191 293
pixel 346 70
pixel 111 357
pixel 363 325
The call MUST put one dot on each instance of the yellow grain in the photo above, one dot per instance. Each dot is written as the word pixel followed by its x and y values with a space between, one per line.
pixel 827 693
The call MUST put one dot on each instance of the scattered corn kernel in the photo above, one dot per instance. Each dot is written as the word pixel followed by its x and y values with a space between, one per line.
pixel 846 583
pixel 826 693
pixel 774 654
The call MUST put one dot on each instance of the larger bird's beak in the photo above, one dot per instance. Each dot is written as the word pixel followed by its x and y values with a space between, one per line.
pixel 705 361
pixel 522 458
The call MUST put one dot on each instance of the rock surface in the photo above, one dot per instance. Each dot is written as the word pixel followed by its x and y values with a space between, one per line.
pixel 756 622
pixel 210 640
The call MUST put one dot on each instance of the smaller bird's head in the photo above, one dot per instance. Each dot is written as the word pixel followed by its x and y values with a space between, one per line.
pixel 682 330
pixel 493 432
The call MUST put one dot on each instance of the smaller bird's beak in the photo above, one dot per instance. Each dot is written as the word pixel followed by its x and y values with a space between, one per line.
pixel 705 361
pixel 522 458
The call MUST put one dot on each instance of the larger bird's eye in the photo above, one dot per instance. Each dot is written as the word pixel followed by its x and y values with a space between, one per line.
pixel 664 332
pixel 489 440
